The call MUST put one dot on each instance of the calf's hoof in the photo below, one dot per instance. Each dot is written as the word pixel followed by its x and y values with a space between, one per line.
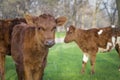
pixel 82 71
pixel 92 72
pixel 119 68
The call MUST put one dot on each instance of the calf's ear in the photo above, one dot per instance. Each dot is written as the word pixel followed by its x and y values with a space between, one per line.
pixel 72 28
pixel 61 20
pixel 29 19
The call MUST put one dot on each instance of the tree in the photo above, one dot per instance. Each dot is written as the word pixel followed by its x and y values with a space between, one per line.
pixel 14 8
pixel 118 8
pixel 110 10
pixel 96 10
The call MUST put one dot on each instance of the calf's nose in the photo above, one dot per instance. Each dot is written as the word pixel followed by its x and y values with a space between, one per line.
pixel 49 43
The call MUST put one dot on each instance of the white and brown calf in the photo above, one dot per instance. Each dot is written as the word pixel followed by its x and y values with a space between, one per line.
pixel 93 40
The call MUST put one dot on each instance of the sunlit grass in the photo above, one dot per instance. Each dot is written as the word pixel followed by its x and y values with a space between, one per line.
pixel 60 34
pixel 64 63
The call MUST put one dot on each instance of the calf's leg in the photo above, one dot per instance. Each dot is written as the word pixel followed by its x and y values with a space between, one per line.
pixel 84 62
pixel 92 61
pixel 27 73
pixel 38 74
pixel 19 69
pixel 2 66
pixel 117 47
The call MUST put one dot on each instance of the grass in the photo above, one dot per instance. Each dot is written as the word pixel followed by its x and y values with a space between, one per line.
pixel 64 63
pixel 60 34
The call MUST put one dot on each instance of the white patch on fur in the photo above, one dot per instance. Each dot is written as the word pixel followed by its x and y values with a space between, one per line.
pixel 100 32
pixel 85 58
pixel 113 41
pixel 107 47
pixel 118 40
pixel 110 45
pixel 113 26
pixel 67 29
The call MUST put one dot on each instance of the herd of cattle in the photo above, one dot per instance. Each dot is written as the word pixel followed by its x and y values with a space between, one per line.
pixel 28 41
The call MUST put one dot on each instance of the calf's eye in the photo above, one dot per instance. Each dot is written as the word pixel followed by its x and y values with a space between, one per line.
pixel 39 28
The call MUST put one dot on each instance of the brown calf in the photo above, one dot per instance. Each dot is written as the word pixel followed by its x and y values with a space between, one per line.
pixel 6 27
pixel 93 40
pixel 30 45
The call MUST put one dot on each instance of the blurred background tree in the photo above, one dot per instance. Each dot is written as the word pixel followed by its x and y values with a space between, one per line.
pixel 82 13
pixel 118 8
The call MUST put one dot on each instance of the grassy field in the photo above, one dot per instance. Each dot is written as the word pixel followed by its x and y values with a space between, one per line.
pixel 64 63
pixel 60 34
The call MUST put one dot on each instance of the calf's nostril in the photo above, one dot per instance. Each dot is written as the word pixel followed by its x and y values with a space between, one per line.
pixel 49 42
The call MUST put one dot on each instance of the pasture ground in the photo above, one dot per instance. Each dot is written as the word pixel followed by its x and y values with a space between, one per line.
pixel 64 63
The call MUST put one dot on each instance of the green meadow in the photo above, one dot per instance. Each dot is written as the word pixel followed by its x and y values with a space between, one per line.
pixel 60 34
pixel 64 63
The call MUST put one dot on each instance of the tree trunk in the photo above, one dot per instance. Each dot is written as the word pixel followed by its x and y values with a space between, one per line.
pixel 118 8
pixel 82 18
pixel 94 22
pixel 74 13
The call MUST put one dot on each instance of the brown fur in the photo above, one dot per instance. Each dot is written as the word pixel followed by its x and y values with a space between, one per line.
pixel 29 46
pixel 90 41
pixel 6 27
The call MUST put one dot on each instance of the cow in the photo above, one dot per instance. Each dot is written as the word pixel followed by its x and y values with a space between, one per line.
pixel 93 40
pixel 6 27
pixel 30 44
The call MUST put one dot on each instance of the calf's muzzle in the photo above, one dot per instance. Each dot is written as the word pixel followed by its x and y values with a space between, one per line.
pixel 49 43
